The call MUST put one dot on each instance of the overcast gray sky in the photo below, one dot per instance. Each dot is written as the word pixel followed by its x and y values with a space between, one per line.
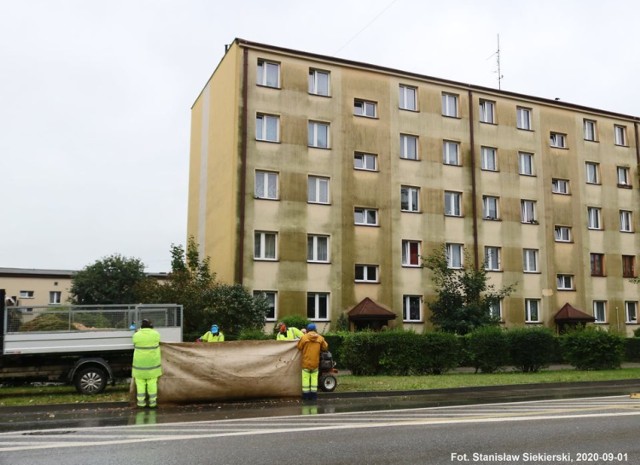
pixel 95 96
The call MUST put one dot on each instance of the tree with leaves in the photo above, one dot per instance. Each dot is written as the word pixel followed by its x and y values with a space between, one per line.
pixel 111 280
pixel 205 301
pixel 464 297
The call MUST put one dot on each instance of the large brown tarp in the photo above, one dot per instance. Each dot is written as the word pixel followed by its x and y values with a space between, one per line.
pixel 204 372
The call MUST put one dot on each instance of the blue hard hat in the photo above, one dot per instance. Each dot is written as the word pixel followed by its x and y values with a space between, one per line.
pixel 311 327
pixel 214 328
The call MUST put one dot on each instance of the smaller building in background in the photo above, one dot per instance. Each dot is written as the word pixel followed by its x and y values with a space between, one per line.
pixel 32 287
pixel 27 287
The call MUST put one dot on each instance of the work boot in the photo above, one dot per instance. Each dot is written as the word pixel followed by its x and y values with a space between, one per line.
pixel 313 396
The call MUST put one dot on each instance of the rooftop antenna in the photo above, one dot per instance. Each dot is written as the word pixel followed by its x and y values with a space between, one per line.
pixel 500 76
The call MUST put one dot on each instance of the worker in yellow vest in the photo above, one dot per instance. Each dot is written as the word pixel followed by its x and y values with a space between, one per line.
pixel 213 335
pixel 287 334
pixel 147 364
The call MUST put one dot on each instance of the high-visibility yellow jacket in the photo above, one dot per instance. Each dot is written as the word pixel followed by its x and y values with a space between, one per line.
pixel 147 359
pixel 210 337
pixel 291 335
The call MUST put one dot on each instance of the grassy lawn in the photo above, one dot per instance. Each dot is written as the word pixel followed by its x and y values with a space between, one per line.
pixel 43 395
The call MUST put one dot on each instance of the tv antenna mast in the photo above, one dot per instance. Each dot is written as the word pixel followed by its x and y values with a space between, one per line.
pixel 500 76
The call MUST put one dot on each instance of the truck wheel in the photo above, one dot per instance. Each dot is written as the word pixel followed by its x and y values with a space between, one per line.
pixel 328 383
pixel 90 380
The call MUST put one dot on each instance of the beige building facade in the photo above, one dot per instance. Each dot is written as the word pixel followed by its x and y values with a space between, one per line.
pixel 321 182
pixel 35 287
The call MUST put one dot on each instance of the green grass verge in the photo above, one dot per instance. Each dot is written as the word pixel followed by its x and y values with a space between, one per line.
pixel 44 395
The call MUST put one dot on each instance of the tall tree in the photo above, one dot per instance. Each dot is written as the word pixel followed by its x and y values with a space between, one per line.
pixel 205 301
pixel 111 280
pixel 464 297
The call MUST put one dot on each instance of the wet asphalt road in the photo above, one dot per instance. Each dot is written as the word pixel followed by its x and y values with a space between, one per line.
pixel 35 418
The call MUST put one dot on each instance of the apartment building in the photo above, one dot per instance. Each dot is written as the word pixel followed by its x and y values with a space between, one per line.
pixel 322 182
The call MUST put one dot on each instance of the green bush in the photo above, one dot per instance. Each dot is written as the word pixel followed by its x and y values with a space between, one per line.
pixel 335 346
pixel 440 353
pixel 252 334
pixel 398 352
pixel 531 349
pixel 361 353
pixel 592 348
pixel 632 349
pixel 489 348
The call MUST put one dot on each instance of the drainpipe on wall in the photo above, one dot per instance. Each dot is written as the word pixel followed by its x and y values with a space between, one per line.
pixel 474 202
pixel 243 168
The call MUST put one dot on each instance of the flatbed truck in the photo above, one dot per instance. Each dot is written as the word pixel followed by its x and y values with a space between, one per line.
pixel 87 346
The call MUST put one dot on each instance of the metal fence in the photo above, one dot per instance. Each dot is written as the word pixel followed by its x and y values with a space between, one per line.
pixel 90 317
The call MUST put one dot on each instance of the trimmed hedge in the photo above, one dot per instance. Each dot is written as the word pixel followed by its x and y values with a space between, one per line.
pixel 593 349
pixel 399 353
pixel 530 349
pixel 489 348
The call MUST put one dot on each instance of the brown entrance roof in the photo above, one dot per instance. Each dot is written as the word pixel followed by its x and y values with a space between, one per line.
pixel 568 314
pixel 369 310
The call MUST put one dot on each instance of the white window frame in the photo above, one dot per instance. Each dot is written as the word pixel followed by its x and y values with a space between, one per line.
pixel 495 310
pixel 624 175
pixel 562 233
pixel 318 248
pixel 318 189
pixel 526 164
pixel 55 297
pixel 489 158
pixel 492 258
pixel 523 118
pixel 592 172
pixel 528 212
pixel 530 260
pixel 27 294
pixel 600 311
pixel 408 303
pixel 365 214
pixel 455 256
pixel 264 127
pixel 487 111
pixel 319 298
pixel 272 298
pixel 409 199
pixel 367 273
pixel 620 135
pixel 407 253
pixel 408 99
pixel 365 108
pixel 594 218
pixel 265 73
pixel 558 140
pixel 532 310
pixel 408 142
pixel 318 129
pixel 631 312
pixel 316 83
pixel 365 161
pixel 451 152
pixel 452 203
pixel 266 185
pixel 564 282
pixel 490 207
pixel 590 130
pixel 560 186
pixel 626 221
pixel 450 105
pixel 261 251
